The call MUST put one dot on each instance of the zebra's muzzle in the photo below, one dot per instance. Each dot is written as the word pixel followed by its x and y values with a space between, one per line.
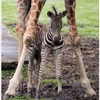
pixel 56 40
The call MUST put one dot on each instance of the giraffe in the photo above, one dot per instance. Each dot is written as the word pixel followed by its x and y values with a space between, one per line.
pixel 28 14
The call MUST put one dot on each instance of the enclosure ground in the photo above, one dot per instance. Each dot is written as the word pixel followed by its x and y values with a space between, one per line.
pixel 72 89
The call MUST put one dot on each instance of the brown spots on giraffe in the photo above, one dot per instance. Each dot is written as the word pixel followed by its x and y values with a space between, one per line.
pixel 35 1
pixel 35 21
pixel 68 17
pixel 70 2
pixel 32 24
pixel 74 29
pixel 20 29
pixel 71 12
pixel 73 23
pixel 21 4
pixel 69 22
pixel 39 4
pixel 19 1
pixel 17 29
pixel 37 14
pixel 73 34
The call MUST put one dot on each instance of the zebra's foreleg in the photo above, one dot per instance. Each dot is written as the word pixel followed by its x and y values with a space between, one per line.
pixel 58 61
pixel 44 54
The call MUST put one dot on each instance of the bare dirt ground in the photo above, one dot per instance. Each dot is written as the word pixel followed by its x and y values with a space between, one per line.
pixel 72 89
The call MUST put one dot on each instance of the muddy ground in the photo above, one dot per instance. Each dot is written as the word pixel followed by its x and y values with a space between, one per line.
pixel 72 89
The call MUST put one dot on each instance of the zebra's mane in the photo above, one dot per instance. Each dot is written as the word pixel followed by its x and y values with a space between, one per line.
pixel 55 10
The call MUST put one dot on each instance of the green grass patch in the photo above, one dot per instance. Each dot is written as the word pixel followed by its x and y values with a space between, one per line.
pixel 91 81
pixel 11 72
pixel 53 81
pixel 87 15
pixel 26 98
pixel 6 73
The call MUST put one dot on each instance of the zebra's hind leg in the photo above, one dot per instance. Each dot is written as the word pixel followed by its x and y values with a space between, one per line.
pixel 37 62
pixel 33 72
pixel 31 68
pixel 44 53
pixel 30 78
pixel 58 55
pixel 36 71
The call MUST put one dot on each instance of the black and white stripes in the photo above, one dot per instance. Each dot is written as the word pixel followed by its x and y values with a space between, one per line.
pixel 48 41
pixel 48 38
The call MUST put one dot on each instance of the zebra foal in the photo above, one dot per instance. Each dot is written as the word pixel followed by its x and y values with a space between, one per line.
pixel 48 38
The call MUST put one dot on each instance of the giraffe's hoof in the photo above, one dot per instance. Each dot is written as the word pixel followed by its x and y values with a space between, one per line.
pixel 60 92
pixel 61 95
pixel 7 96
pixel 90 93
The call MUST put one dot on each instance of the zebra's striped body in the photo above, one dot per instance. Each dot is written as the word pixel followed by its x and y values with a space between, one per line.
pixel 48 38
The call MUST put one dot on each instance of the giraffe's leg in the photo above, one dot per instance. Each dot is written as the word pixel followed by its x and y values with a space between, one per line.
pixel 29 35
pixel 21 25
pixel 44 54
pixel 58 55
pixel 15 81
pixel 75 40
pixel 35 10
pixel 23 7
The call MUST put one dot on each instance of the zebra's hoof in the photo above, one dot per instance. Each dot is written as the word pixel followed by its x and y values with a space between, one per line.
pixel 37 97
pixel 6 96
pixel 29 94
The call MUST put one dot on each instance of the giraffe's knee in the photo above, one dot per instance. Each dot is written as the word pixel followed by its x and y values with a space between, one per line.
pixel 20 29
pixel 28 37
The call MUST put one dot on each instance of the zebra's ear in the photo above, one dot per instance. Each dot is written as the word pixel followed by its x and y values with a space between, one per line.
pixel 50 14
pixel 62 14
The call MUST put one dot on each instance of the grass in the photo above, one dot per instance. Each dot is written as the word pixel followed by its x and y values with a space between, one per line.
pixel 90 80
pixel 87 15
pixel 11 72
pixel 26 98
